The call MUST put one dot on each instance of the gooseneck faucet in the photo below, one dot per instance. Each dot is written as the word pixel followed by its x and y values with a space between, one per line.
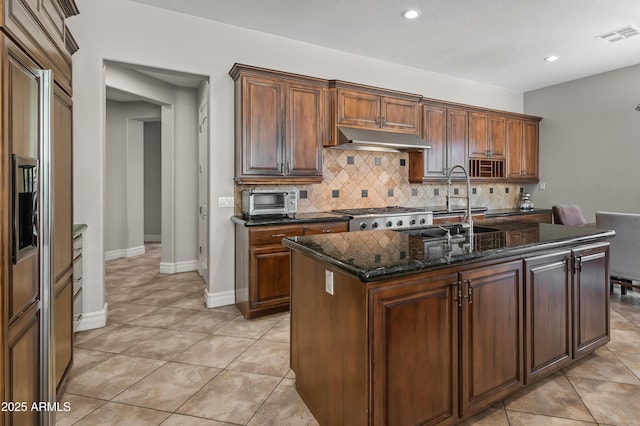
pixel 469 223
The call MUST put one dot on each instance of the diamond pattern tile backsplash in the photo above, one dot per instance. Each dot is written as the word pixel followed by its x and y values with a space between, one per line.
pixel 385 182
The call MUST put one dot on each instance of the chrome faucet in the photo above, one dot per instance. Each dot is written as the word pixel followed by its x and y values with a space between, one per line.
pixel 469 223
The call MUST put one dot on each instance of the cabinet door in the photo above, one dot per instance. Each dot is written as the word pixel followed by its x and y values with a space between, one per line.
pixel 399 115
pixel 22 381
pixel 415 353
pixel 61 167
pixel 515 136
pixel 435 133
pixel 530 150
pixel 63 329
pixel 270 276
pixel 262 111
pixel 548 320
pixel 358 109
pixel 306 130
pixel 478 135
pixel 491 335
pixel 457 135
pixel 497 136
pixel 591 298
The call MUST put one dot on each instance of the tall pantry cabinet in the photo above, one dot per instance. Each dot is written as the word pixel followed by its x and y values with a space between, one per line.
pixel 36 206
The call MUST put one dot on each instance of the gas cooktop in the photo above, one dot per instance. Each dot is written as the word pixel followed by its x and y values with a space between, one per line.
pixel 390 217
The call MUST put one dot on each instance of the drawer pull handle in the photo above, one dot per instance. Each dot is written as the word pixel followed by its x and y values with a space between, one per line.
pixel 327 231
pixel 278 235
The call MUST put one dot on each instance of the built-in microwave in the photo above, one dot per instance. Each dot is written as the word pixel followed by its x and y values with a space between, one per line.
pixel 25 207
pixel 258 202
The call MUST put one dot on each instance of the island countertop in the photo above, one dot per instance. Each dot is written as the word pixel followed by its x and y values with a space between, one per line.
pixel 380 254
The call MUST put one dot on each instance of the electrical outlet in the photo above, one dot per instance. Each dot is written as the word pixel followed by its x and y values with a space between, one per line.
pixel 225 201
pixel 542 186
pixel 328 282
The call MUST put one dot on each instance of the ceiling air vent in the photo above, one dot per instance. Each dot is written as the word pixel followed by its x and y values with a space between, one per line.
pixel 620 34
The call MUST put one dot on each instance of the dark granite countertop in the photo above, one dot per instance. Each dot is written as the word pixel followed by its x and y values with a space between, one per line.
pixel 79 228
pixel 382 254
pixel 513 212
pixel 293 219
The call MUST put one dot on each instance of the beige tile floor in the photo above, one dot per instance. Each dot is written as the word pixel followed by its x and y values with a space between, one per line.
pixel 165 359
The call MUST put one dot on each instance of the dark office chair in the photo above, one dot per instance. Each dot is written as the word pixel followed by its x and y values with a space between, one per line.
pixel 568 215
pixel 625 248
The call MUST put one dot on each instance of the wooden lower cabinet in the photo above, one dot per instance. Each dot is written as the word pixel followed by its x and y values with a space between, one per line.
pixel 441 346
pixel 415 351
pixel 567 307
pixel 262 265
pixel 591 298
pixel 491 341
pixel 548 319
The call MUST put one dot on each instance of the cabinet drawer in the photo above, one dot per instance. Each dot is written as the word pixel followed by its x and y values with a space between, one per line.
pixel 77 305
pixel 77 247
pixel 272 235
pixel 325 228
pixel 77 277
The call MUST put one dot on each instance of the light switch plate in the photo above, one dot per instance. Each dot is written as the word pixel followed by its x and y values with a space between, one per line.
pixel 225 201
pixel 328 282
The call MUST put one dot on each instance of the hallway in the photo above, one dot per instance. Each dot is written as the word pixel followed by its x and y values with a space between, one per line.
pixel 163 358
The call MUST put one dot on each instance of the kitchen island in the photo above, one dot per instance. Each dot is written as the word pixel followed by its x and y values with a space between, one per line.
pixel 398 328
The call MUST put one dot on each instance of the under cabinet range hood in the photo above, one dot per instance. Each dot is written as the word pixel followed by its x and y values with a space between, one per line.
pixel 377 140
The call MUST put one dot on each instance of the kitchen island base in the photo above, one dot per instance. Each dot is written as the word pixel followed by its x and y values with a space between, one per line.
pixel 438 346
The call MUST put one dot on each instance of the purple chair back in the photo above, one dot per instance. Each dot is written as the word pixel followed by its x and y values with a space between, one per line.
pixel 568 215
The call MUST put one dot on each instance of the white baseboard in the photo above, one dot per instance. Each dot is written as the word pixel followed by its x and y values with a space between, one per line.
pixel 117 254
pixel 221 298
pixel 91 320
pixel 177 267
pixel 152 238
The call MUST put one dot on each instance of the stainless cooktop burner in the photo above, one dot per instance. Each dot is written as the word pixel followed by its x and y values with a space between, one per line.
pixel 390 217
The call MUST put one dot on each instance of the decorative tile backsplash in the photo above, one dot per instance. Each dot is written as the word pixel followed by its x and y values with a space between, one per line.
pixel 376 179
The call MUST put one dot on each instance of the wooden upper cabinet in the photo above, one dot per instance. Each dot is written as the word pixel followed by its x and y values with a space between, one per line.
pixel 530 150
pixel 446 131
pixel 373 108
pixel 487 135
pixel 522 149
pixel 281 125
pixel 306 129
pixel 38 27
pixel 358 109
pixel 457 136
pixel 262 132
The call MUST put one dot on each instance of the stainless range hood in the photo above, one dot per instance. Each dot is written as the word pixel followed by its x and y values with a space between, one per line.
pixel 377 140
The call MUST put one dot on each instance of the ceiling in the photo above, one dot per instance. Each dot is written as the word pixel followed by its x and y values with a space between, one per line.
pixel 497 42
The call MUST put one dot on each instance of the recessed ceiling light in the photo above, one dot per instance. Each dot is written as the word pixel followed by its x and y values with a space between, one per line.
pixel 410 14
pixel 552 58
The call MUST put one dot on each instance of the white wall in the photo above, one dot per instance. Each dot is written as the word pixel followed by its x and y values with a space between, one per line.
pixel 130 32
pixel 152 179
pixel 124 187
pixel 590 142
